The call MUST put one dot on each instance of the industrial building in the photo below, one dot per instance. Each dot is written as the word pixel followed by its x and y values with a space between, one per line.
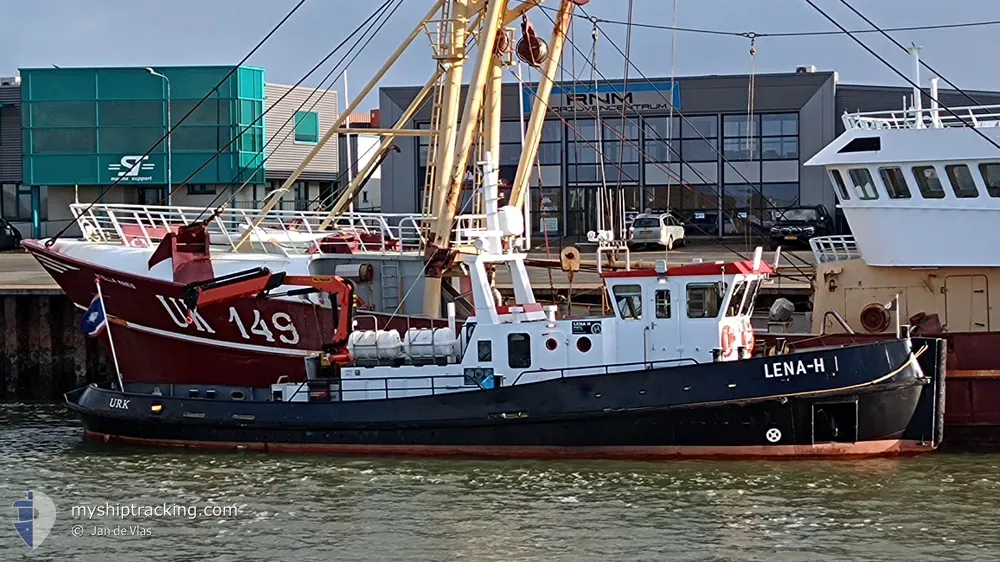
pixel 712 163
pixel 70 133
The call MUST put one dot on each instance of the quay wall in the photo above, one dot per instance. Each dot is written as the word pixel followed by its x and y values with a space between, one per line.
pixel 44 352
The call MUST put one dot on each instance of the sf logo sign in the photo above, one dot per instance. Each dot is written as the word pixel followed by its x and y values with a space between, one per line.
pixel 129 168
pixel 35 516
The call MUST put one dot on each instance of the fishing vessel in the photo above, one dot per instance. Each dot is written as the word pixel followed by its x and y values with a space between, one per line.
pixel 920 189
pixel 149 257
pixel 668 374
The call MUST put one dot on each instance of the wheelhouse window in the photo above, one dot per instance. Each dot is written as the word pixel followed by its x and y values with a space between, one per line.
pixel 629 299
pixel 961 181
pixel 519 351
pixel 838 182
pixel 895 183
pixel 928 182
pixel 661 299
pixel 864 185
pixel 737 299
pixel 752 288
pixel 991 177
pixel 703 299
pixel 484 350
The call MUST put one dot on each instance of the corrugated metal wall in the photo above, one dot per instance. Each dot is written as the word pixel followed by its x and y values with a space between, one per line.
pixel 44 352
pixel 10 134
pixel 283 158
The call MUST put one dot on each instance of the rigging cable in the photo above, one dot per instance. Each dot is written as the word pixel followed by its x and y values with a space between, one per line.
pixel 171 127
pixel 670 119
pixel 900 45
pixel 618 218
pixel 370 23
pixel 930 27
pixel 962 120
pixel 701 136
pixel 751 138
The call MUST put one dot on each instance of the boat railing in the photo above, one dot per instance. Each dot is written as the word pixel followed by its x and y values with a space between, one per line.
pixel 830 249
pixel 611 368
pixel 977 116
pixel 282 230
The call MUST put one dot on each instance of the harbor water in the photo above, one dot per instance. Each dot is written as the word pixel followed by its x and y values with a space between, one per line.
pixel 128 504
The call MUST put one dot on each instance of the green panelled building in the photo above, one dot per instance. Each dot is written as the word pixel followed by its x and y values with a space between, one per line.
pixel 90 126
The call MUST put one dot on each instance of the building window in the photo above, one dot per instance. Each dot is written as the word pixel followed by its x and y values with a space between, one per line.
pixel 703 300
pixel 16 202
pixel 779 136
pixel 201 189
pixel 961 181
pixel 63 141
pixel 991 177
pixel 895 183
pixel 660 135
pixel 928 182
pixel 864 185
pixel 306 127
pixel 629 299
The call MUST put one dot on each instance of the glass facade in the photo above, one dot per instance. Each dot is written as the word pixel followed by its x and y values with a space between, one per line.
pixel 92 126
pixel 660 162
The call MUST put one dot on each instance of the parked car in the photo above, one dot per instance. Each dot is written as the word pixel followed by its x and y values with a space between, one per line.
pixel 656 229
pixel 797 225
pixel 10 238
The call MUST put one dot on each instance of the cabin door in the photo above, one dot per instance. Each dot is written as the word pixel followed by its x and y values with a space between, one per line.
pixel 966 303
pixel 630 332
pixel 663 333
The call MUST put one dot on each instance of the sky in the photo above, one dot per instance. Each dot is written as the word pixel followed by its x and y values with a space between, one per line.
pixel 40 33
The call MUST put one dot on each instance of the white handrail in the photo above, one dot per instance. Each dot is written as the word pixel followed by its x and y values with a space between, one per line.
pixel 829 249
pixel 287 231
pixel 979 116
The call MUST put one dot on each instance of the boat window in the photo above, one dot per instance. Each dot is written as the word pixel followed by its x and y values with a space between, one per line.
pixel 662 301
pixel 895 183
pixel 991 177
pixel 838 181
pixel 961 181
pixel 629 299
pixel 519 351
pixel 737 299
pixel 864 185
pixel 703 299
pixel 485 349
pixel 747 308
pixel 928 182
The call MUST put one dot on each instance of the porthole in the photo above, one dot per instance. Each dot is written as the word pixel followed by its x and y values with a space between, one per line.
pixel 583 344
pixel 237 395
pixel 551 344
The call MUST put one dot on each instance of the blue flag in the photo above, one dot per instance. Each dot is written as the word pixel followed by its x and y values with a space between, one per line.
pixel 94 320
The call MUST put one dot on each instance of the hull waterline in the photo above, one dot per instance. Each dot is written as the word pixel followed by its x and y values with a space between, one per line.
pixel 645 414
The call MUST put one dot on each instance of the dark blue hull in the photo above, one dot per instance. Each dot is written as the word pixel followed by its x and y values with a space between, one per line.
pixel 877 399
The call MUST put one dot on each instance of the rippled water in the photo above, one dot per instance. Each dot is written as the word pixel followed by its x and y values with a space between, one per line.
pixel 935 507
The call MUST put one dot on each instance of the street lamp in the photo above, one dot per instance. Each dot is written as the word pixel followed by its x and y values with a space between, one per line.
pixel 170 171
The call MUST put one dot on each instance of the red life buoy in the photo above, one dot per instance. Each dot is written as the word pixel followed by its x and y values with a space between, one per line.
pixel 748 337
pixel 728 339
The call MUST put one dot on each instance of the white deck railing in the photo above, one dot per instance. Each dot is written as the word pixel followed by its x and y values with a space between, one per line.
pixel 287 231
pixel 980 116
pixel 829 249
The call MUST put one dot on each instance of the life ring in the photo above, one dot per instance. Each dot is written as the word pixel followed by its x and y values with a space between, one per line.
pixel 748 337
pixel 728 339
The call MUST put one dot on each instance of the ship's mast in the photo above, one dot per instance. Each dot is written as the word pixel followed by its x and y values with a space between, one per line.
pixel 439 254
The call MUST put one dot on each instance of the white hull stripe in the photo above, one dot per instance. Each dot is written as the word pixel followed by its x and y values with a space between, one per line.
pixel 214 343
pixel 53 265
